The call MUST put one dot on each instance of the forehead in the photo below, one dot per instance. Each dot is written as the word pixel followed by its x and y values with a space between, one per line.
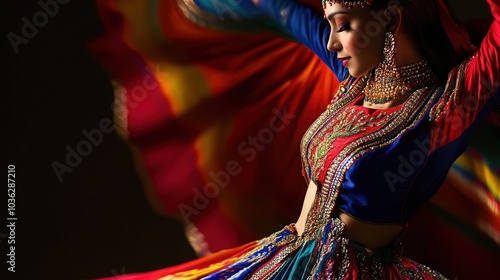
pixel 335 9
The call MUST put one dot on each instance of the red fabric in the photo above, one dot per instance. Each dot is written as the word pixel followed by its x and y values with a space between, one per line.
pixel 475 92
pixel 456 33
pixel 201 263
pixel 208 107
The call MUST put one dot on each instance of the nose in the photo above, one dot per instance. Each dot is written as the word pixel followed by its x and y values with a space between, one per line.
pixel 333 44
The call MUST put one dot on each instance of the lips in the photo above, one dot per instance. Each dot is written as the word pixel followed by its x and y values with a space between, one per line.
pixel 344 60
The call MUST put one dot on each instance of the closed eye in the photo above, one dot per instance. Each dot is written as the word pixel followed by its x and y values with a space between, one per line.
pixel 345 27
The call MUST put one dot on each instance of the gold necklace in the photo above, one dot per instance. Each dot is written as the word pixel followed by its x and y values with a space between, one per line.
pixel 385 84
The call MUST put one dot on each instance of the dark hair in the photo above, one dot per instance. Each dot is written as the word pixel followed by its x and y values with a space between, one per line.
pixel 421 20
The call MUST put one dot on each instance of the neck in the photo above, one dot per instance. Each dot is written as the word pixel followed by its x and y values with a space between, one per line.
pixel 407 52
pixel 385 85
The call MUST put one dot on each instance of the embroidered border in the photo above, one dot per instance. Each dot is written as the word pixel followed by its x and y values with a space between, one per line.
pixel 412 112
pixel 331 111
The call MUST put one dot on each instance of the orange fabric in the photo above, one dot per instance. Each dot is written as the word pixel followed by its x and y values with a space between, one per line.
pixel 210 107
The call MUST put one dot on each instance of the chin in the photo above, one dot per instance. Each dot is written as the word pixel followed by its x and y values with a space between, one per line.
pixel 356 73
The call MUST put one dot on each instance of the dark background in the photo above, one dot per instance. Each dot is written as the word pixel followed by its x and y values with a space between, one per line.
pixel 96 222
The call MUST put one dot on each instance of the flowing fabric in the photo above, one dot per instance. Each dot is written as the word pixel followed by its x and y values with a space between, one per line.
pixel 240 263
pixel 213 116
pixel 456 33
pixel 200 98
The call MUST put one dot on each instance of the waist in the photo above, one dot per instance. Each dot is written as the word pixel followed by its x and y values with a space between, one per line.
pixel 335 228
pixel 369 235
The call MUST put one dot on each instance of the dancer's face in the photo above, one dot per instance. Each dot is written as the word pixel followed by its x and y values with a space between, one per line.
pixel 356 36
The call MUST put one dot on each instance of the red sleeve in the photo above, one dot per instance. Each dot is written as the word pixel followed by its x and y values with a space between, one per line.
pixel 472 89
pixel 482 74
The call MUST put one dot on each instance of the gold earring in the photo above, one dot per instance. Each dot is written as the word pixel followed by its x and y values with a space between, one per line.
pixel 385 87
pixel 387 82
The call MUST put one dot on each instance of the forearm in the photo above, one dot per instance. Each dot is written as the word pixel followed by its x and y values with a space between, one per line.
pixel 473 87
pixel 307 26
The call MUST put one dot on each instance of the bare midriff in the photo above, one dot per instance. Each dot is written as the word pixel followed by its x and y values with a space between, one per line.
pixel 370 235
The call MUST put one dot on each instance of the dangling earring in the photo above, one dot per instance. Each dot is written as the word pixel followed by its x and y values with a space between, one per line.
pixel 385 86
pixel 386 82
pixel 387 72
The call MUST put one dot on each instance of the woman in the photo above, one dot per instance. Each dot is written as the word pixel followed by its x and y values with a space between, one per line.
pixel 381 149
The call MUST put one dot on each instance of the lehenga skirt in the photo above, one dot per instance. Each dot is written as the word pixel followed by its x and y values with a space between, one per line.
pixel 285 255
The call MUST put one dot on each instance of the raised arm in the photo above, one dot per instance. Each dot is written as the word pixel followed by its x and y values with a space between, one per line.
pixel 307 26
pixel 473 87
pixel 482 74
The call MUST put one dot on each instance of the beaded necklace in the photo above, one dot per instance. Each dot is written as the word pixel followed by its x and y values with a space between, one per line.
pixel 384 85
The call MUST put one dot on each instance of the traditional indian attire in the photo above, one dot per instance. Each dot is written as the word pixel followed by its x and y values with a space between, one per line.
pixel 377 166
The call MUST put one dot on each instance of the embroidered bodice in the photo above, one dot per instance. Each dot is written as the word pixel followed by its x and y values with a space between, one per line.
pixel 352 152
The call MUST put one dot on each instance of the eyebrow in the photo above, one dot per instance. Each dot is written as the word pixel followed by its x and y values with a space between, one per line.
pixel 336 13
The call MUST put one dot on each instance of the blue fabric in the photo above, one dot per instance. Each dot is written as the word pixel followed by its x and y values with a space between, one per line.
pixel 245 266
pixel 389 185
pixel 303 23
pixel 233 9
pixel 307 26
pixel 296 266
